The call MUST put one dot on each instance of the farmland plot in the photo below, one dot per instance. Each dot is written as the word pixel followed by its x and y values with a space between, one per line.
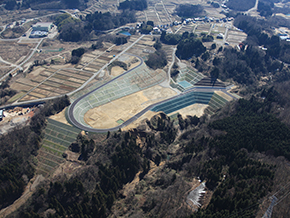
pixel 57 138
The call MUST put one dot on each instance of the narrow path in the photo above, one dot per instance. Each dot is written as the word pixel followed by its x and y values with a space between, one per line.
pixel 210 29
pixel 166 11
pixel 160 22
pixel 6 62
pixel 172 63
pixel 255 8
pixel 146 17
pixel 178 29
pixel 41 100
pixel 29 190
pixel 97 73
pixel 22 63
pixel 226 35
pixel 194 29
pixel 31 90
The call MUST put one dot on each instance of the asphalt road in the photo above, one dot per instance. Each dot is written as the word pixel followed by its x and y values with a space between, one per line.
pixel 136 116
pixel 73 105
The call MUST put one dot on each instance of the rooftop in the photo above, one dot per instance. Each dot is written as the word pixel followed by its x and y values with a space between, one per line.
pixel 43 24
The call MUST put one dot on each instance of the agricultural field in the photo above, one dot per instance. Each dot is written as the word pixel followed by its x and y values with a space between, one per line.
pixel 186 79
pixel 11 54
pixel 202 28
pixel 8 16
pixel 14 52
pixel 235 37
pixel 157 13
pixel 102 5
pixel 57 139
pixel 46 82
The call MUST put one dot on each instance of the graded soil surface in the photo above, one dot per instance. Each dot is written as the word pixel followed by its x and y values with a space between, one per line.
pixel 195 109
pixel 107 115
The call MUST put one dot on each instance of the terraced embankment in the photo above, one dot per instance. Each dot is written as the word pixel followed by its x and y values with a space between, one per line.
pixel 183 101
pixel 57 139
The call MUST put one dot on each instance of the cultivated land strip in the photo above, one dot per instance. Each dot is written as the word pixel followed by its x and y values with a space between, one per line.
pixel 57 138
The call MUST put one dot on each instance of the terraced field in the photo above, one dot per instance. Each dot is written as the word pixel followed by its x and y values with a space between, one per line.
pixel 183 101
pixel 214 100
pixel 186 79
pixel 215 103
pixel 57 139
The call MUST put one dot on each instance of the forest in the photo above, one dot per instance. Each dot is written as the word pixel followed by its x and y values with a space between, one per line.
pixel 45 4
pixel 138 5
pixel 79 30
pixel 276 48
pixel 219 151
pixel 188 45
pixel 16 162
pixel 188 10
pixel 241 5
pixel 158 58
pixel 5 91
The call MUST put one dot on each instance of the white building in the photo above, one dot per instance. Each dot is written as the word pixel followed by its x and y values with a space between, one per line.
pixel 42 26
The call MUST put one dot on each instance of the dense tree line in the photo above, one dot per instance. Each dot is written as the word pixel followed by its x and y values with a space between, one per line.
pixel 76 55
pixel 249 128
pixel 170 39
pixel 64 19
pixel 157 60
pixel 247 66
pixel 241 5
pixel 189 47
pixel 70 198
pixel 17 150
pixel 147 27
pixel 188 10
pixel 246 182
pixel 265 9
pixel 105 21
pixel 224 160
pixel 138 5
pixel 11 5
pixel 254 129
pixel 45 4
pixel 77 30
pixel 5 91
pixel 207 38
pixel 254 28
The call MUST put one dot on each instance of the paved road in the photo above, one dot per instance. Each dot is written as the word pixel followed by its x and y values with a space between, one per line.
pixel 72 106
pixel 42 100
pixel 22 63
pixel 255 8
pixel 138 115
pixel 99 71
